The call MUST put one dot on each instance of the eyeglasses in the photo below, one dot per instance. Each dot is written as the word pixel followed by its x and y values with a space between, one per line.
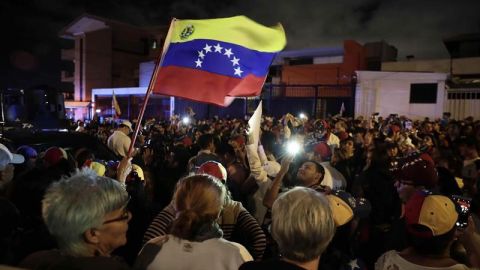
pixel 124 216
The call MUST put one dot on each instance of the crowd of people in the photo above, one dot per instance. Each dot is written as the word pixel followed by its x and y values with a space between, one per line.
pixel 335 193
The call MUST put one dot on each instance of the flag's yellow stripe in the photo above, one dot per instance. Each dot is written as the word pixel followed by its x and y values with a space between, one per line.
pixel 237 30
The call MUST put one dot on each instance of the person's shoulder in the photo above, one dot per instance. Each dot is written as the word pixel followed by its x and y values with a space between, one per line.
pixel 39 256
pixel 104 263
pixel 53 259
pixel 385 259
pixel 233 247
pixel 269 264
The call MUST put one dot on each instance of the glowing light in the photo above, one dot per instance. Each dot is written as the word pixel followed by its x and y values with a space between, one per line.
pixel 302 116
pixel 293 148
pixel 98 111
pixel 186 120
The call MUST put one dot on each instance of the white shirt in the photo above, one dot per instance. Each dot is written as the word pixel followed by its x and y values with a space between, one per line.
pixel 212 254
pixel 261 177
pixel 333 178
pixel 391 260
pixel 119 143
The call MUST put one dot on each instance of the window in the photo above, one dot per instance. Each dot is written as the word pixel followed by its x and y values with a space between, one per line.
pixel 300 61
pixel 423 93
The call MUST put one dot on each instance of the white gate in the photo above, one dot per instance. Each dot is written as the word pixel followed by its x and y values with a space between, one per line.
pixel 462 103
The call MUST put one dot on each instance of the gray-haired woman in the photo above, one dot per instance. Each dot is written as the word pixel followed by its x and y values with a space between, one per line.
pixel 303 226
pixel 88 217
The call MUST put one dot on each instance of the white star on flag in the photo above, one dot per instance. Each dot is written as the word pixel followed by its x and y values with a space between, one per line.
pixel 238 72
pixel 199 63
pixel 201 54
pixel 218 48
pixel 228 52
pixel 235 61
pixel 353 264
pixel 208 48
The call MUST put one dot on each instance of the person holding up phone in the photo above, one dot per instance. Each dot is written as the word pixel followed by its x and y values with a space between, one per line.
pixel 463 205
pixel 310 174
pixel 431 221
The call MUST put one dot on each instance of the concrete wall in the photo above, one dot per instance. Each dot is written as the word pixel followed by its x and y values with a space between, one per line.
pixel 97 66
pixel 389 92
pixel 459 66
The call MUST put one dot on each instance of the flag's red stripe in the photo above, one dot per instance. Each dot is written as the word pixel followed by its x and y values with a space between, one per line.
pixel 204 86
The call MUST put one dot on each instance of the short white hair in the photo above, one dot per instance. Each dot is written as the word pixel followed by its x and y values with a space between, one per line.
pixel 73 205
pixel 302 224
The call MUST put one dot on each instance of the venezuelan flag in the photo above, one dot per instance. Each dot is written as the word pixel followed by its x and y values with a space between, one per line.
pixel 211 60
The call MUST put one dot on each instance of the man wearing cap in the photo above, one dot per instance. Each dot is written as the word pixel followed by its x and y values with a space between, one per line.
pixel 343 251
pixel 119 141
pixel 6 167
pixel 415 173
pixel 431 228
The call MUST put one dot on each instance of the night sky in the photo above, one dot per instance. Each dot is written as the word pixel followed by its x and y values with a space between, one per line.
pixel 30 47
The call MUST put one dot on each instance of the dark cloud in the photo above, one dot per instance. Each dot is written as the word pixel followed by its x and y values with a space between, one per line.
pixel 414 27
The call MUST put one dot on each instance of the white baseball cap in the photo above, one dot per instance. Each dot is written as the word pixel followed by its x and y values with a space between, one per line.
pixel 6 157
pixel 128 124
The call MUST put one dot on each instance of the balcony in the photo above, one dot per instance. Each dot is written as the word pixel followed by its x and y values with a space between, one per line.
pixel 68 54
pixel 67 76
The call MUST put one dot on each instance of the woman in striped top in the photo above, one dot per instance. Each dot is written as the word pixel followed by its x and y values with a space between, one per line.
pixel 236 222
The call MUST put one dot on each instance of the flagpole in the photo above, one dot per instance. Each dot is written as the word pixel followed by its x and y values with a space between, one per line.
pixel 151 84
pixel 113 116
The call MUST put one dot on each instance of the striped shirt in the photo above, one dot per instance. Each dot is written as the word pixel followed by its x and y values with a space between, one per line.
pixel 237 224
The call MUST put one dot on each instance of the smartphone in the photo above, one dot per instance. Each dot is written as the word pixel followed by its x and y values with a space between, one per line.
pixel 408 125
pixel 464 206
pixel 147 143
pixel 293 147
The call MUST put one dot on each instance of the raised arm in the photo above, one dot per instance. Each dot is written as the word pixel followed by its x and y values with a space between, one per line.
pixel 272 193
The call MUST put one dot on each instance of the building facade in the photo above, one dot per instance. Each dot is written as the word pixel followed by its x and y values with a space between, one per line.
pixel 415 95
pixel 106 54
pixel 463 74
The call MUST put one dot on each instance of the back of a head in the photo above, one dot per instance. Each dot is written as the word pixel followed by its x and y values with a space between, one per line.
pixel 83 156
pixel 225 149
pixel 73 205
pixel 418 171
pixel 205 140
pixel 215 169
pixel 198 200
pixel 379 157
pixel 302 224
pixel 27 152
pixel 430 222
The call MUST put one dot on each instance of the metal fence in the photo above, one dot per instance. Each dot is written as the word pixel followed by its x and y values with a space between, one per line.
pixel 462 103
pixel 314 100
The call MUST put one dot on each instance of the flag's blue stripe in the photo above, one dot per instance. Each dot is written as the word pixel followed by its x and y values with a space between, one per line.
pixel 184 54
